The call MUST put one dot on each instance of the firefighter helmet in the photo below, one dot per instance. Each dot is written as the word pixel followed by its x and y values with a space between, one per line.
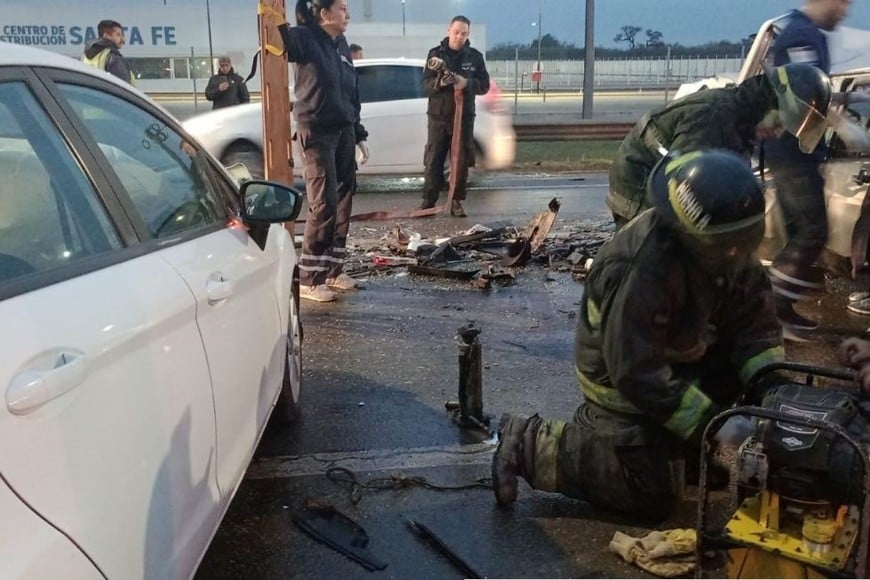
pixel 713 200
pixel 803 94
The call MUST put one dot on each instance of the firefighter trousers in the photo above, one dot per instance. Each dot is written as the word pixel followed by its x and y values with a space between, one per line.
pixel 329 167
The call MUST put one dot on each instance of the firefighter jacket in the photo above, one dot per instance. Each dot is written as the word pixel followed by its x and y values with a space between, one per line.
pixel 104 55
pixel 648 308
pixel 468 63
pixel 327 88
pixel 717 118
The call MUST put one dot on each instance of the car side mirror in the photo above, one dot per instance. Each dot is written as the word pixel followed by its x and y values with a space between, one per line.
pixel 267 202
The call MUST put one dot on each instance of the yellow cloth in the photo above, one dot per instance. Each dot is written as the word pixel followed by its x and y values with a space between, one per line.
pixel 668 553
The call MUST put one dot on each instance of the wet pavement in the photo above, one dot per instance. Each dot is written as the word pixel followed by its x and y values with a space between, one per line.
pixel 380 365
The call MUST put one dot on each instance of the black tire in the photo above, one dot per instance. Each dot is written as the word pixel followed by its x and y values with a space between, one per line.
pixel 248 155
pixel 287 409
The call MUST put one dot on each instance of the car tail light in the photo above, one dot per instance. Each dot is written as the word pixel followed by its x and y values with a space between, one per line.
pixel 492 100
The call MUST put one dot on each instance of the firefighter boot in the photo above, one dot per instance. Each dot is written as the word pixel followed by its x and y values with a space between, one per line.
pixel 510 457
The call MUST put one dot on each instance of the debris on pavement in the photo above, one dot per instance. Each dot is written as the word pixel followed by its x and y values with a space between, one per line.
pixel 327 525
pixel 486 255
pixel 467 570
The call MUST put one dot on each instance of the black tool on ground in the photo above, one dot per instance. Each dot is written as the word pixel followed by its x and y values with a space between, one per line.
pixel 327 525
pixel 799 492
pixel 470 379
pixel 457 560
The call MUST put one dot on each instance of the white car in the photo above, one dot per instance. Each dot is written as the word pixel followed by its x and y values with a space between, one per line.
pixel 393 111
pixel 150 327
pixel 719 81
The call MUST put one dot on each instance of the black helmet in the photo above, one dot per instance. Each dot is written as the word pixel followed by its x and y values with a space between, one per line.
pixel 803 94
pixel 713 199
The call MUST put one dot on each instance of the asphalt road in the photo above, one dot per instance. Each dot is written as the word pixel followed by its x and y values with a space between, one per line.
pixel 380 365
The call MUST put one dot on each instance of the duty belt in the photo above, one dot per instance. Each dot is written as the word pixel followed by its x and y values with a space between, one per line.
pixel 649 134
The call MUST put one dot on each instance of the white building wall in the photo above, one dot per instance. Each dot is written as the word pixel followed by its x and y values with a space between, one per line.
pixel 177 29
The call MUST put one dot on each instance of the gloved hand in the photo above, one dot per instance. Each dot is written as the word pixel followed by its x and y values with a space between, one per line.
pixel 734 432
pixel 363 155
pixel 446 79
pixel 669 553
pixel 855 353
pixel 461 82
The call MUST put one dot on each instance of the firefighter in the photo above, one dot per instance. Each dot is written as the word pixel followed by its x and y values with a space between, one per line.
pixel 732 118
pixel 653 371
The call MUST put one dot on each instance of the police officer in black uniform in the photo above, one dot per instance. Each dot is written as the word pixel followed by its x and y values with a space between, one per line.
pixel 451 65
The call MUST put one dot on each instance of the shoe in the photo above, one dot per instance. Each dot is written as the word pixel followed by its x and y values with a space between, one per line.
pixel 859 306
pixel 508 455
pixel 787 316
pixel 457 210
pixel 319 293
pixel 427 204
pixel 342 282
pixel 859 296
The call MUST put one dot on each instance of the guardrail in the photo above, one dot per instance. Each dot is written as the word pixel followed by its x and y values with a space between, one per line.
pixel 573 132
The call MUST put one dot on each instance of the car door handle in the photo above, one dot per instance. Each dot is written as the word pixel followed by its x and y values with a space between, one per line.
pixel 31 389
pixel 218 288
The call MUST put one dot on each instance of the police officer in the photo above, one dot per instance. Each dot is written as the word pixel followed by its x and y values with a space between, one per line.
pixel 733 118
pixel 451 65
pixel 795 164
pixel 328 127
pixel 654 371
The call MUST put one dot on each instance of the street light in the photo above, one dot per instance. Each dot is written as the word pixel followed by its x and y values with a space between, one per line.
pixel 403 17
pixel 210 48
pixel 538 67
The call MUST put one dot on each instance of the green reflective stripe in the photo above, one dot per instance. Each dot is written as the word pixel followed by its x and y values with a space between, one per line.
pixel 546 470
pixel 99 60
pixel 593 313
pixel 692 408
pixel 606 397
pixel 761 360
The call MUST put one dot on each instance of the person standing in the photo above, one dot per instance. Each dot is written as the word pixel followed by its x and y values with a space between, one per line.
pixel 356 52
pixel 450 66
pixel 104 52
pixel 795 165
pixel 328 129
pixel 226 88
pixel 677 316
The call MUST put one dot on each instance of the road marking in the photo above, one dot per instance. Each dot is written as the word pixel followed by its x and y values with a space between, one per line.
pixel 284 467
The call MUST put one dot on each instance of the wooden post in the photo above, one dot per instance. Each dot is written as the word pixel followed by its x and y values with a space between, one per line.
pixel 275 90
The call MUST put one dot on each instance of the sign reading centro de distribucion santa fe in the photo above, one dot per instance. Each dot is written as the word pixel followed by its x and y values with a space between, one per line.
pixel 56 35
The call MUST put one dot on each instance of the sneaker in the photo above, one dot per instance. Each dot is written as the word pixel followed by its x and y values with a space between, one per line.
pixel 457 210
pixel 859 296
pixel 427 204
pixel 859 306
pixel 508 455
pixel 319 293
pixel 787 316
pixel 342 282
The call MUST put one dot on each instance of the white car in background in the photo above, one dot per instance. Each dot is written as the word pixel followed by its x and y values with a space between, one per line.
pixel 150 327
pixel 393 111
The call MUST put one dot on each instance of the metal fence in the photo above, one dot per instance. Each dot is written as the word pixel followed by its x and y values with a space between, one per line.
pixel 623 73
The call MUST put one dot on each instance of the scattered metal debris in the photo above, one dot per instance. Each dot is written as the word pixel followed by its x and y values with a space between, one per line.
pixel 488 255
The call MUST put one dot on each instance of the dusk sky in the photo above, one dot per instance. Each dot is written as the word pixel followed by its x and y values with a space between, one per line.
pixel 687 22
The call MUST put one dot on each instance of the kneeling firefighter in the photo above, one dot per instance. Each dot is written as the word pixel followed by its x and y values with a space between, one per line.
pixel 653 371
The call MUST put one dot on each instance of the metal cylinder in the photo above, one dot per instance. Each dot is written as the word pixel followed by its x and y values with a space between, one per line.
pixel 470 374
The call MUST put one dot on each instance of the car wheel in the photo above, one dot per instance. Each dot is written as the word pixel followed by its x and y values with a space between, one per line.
pixel 287 410
pixel 248 155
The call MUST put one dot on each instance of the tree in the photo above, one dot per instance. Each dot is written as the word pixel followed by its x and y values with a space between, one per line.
pixel 628 34
pixel 654 38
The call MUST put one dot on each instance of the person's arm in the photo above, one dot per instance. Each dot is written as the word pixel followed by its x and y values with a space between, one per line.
pixel 479 82
pixel 212 90
pixel 118 66
pixel 634 341
pixel 855 353
pixel 295 39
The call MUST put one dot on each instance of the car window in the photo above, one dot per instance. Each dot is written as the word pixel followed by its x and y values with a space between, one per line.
pixel 389 83
pixel 169 179
pixel 50 215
